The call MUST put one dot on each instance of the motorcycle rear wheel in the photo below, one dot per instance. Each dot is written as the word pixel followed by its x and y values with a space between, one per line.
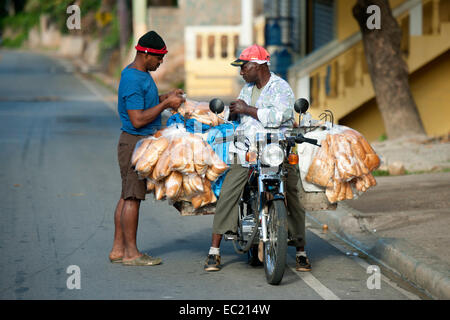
pixel 275 249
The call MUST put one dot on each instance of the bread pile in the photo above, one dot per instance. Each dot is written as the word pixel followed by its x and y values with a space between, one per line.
pixel 200 112
pixel 343 165
pixel 179 166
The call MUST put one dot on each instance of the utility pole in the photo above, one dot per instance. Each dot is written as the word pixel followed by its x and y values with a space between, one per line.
pixel 139 11
pixel 124 22
pixel 139 19
pixel 246 38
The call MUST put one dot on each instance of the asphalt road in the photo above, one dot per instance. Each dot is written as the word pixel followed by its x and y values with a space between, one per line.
pixel 60 182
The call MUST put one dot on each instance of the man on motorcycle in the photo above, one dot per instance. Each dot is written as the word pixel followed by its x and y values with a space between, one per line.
pixel 268 99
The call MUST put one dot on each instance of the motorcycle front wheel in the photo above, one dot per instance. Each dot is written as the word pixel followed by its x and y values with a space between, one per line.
pixel 275 249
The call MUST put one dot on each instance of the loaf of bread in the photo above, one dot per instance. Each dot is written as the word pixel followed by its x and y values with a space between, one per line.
pixel 173 185
pixel 322 168
pixel 151 155
pixel 200 112
pixel 162 169
pixel 150 186
pixel 192 185
pixel 204 198
pixel 160 190
pixel 139 150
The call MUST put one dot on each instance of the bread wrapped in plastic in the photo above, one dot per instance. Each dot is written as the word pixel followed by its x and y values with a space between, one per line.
pixel 182 156
pixel 322 168
pixel 150 186
pixel 139 149
pixel 200 111
pixel 173 185
pixel 148 160
pixel 364 150
pixel 217 167
pixel 160 191
pixel 353 159
pixel 192 185
pixel 204 198
pixel 162 169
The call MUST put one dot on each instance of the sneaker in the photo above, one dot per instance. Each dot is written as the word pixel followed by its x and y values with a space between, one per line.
pixel 302 264
pixel 212 262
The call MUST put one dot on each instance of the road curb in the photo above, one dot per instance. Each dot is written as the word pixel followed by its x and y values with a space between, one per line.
pixel 425 271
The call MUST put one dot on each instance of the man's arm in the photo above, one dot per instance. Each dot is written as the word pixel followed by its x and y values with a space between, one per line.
pixel 140 118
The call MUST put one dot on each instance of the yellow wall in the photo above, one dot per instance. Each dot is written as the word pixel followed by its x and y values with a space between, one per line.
pixel 346 23
pixel 431 91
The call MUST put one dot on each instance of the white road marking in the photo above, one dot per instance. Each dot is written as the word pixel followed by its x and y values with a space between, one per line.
pixel 316 285
pixel 364 265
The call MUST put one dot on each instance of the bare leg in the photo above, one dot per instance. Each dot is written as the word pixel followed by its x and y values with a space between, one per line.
pixel 216 238
pixel 129 222
pixel 118 244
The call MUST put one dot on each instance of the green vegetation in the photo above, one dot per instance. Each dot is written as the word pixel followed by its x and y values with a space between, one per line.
pixel 380 173
pixel 382 138
pixel 15 28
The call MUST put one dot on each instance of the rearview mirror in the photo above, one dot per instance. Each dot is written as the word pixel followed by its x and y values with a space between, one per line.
pixel 216 105
pixel 301 105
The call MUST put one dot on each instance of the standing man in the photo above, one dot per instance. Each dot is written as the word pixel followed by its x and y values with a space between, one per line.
pixel 268 99
pixel 140 108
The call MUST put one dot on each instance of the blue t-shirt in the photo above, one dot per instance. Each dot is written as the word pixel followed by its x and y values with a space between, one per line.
pixel 137 91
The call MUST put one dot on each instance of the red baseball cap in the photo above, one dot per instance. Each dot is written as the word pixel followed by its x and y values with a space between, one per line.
pixel 253 53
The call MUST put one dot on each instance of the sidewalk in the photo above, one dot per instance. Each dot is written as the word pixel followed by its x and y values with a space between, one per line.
pixel 403 223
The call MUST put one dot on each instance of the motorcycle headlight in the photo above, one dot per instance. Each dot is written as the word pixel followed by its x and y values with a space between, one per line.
pixel 272 155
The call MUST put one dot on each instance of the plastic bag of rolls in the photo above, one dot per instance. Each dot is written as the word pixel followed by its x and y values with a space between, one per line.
pixel 200 111
pixel 178 166
pixel 343 164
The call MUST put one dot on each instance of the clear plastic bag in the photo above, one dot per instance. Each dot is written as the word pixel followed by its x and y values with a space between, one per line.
pixel 174 185
pixel 139 149
pixel 343 164
pixel 199 111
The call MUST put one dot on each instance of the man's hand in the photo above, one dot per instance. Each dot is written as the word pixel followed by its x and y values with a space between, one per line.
pixel 176 92
pixel 238 107
pixel 174 101
pixel 241 107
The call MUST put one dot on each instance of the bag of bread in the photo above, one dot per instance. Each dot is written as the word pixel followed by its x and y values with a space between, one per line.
pixel 139 149
pixel 192 185
pixel 322 167
pixel 217 167
pixel 182 156
pixel 343 164
pixel 199 111
pixel 174 185
pixel 204 198
pixel 160 191
pixel 161 169
pixel 150 186
pixel 148 160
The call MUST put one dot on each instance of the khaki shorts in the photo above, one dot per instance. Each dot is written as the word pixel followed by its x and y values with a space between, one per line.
pixel 132 186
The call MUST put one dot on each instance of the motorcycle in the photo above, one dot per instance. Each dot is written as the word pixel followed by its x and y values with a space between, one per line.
pixel 262 207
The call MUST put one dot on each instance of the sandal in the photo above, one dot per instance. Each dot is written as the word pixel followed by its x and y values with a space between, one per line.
pixel 116 260
pixel 144 260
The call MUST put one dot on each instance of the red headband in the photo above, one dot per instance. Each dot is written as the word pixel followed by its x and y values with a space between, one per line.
pixel 151 50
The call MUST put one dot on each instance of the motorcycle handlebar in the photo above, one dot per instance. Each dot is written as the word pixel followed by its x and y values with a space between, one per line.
pixel 300 139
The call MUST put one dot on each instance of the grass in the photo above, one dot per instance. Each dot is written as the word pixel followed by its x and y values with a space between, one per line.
pixel 385 173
